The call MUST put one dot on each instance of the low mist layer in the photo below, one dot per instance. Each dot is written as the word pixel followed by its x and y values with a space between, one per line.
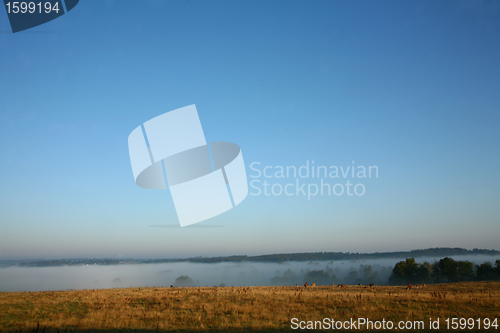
pixel 198 274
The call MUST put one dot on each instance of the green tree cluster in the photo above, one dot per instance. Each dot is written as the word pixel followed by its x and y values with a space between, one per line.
pixel 409 271
pixel 442 271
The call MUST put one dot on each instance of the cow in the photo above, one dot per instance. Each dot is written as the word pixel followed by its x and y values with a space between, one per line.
pixel 313 285
pixel 305 284
pixel 409 286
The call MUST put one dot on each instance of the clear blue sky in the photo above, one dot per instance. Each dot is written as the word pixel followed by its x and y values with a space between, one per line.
pixel 412 87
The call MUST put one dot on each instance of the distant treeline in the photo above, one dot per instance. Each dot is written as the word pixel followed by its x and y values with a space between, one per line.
pixel 442 271
pixel 271 258
pixel 330 256
pixel 404 272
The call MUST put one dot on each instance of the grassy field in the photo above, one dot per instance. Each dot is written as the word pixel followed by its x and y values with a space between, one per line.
pixel 224 309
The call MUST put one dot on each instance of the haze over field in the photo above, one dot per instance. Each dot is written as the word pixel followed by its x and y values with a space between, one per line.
pixel 228 274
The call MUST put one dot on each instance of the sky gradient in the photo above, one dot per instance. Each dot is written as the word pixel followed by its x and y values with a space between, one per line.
pixel 411 87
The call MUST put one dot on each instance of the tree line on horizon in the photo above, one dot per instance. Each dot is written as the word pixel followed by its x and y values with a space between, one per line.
pixel 443 271
pixel 329 256
pixel 271 258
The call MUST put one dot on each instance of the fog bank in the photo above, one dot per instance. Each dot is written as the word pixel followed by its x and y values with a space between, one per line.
pixel 229 274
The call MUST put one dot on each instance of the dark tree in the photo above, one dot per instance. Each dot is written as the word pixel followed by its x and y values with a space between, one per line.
pixel 447 270
pixel 184 281
pixel 424 273
pixel 405 272
pixel 351 278
pixel 318 277
pixel 288 278
pixel 465 271
pixel 485 272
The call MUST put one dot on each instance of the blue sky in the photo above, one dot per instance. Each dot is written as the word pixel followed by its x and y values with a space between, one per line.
pixel 411 87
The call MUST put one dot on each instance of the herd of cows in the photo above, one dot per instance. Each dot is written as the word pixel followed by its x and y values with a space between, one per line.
pixel 370 285
pixel 333 285
pixel 343 285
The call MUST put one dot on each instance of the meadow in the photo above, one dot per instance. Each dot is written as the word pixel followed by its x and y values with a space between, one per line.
pixel 225 309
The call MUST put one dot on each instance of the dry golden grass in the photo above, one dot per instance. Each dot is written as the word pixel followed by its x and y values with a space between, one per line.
pixel 238 308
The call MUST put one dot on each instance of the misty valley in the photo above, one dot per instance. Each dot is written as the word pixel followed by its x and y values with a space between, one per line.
pixel 183 274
